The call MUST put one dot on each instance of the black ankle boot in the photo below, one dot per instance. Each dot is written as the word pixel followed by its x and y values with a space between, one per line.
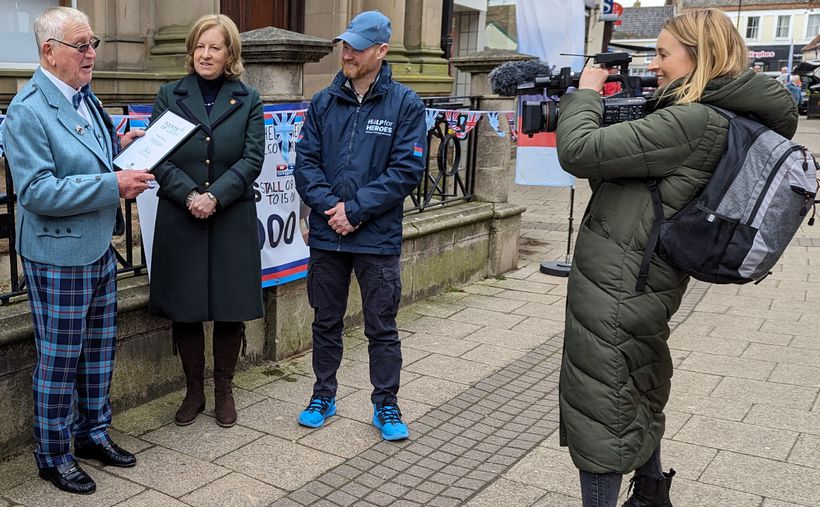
pixel 649 492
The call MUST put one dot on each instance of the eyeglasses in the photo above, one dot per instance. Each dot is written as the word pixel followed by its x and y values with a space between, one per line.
pixel 82 48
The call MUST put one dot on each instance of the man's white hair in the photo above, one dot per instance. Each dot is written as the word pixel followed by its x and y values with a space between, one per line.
pixel 51 24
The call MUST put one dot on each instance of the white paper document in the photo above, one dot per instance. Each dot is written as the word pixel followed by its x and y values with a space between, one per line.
pixel 161 138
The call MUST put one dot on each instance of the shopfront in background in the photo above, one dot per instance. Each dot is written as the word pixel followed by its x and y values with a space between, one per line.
pixel 773 58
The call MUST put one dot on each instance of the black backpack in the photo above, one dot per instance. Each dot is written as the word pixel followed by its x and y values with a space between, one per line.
pixel 738 227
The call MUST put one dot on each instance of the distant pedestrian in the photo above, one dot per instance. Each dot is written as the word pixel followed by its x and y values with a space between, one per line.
pixel 362 152
pixel 795 88
pixel 616 372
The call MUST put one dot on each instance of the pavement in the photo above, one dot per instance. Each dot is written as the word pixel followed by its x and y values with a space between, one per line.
pixel 479 391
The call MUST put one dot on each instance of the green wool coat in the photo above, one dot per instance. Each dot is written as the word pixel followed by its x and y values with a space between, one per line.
pixel 616 369
pixel 209 269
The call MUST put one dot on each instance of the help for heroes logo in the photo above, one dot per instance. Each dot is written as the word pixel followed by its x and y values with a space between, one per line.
pixel 380 127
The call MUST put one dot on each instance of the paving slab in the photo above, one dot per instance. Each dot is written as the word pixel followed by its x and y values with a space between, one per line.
pixel 203 438
pixel 548 469
pixel 453 369
pixel 691 493
pixel 489 318
pixel 806 451
pixel 39 493
pixel 772 416
pixel 430 390
pixel 280 463
pixel 757 391
pixel 689 460
pixel 444 327
pixel 151 498
pixel 752 336
pixel 789 355
pixel 738 437
pixel 728 366
pixel 437 344
pixel 708 406
pixel 275 417
pixel 170 472
pixel 345 438
pixel 515 339
pixel 764 477
pixel 492 355
pixel 437 309
pixel 694 382
pixel 501 304
pixel 234 490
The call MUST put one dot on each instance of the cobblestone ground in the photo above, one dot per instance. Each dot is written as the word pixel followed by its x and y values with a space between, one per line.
pixel 479 389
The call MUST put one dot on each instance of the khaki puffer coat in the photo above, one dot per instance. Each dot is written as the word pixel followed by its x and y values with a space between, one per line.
pixel 616 370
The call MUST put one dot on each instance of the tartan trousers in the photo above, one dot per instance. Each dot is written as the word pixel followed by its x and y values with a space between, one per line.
pixel 74 309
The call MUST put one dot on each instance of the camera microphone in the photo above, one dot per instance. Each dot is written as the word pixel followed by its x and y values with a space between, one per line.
pixel 505 78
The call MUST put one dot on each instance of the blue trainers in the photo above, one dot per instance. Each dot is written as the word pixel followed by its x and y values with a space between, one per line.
pixel 319 409
pixel 387 417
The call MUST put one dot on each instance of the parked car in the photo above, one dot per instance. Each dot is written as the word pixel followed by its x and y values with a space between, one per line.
pixel 809 72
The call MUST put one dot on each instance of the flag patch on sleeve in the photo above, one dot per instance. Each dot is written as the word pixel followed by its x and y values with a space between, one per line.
pixel 417 150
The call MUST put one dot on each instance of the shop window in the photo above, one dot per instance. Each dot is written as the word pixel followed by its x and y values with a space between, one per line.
pixel 752 27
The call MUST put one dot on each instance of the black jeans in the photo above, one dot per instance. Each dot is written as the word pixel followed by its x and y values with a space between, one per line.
pixel 601 490
pixel 328 282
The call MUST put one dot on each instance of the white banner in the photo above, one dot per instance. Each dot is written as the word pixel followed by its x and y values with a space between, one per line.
pixel 547 28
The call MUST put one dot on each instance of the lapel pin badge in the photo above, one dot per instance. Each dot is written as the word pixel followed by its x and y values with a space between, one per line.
pixel 79 130
pixel 233 101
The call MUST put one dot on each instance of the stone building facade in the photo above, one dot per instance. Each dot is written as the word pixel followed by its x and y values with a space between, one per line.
pixel 143 41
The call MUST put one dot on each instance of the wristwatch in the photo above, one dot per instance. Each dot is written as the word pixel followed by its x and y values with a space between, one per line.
pixel 212 197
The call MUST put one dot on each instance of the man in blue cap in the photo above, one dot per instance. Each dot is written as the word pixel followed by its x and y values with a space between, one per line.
pixel 362 152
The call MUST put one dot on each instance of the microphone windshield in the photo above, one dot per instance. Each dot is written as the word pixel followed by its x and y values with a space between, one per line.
pixel 505 78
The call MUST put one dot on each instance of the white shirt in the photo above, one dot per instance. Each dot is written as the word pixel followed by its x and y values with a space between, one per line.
pixel 69 93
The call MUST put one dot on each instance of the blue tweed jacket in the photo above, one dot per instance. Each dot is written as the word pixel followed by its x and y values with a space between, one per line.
pixel 62 172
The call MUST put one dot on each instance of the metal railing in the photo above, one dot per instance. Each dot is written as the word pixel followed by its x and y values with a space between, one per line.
pixel 449 173
pixel 448 179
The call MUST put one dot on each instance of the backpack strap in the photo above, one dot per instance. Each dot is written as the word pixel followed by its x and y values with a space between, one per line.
pixel 723 112
pixel 652 242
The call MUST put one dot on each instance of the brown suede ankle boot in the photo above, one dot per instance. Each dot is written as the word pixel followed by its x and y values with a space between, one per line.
pixel 649 492
pixel 227 343
pixel 190 342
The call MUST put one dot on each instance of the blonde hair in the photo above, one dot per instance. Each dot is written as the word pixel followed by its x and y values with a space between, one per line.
pixel 51 24
pixel 714 46
pixel 233 65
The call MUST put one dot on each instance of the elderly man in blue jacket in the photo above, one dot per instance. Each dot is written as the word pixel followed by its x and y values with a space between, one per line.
pixel 59 145
pixel 362 152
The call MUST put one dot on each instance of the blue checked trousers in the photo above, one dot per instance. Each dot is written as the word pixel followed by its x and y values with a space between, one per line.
pixel 74 309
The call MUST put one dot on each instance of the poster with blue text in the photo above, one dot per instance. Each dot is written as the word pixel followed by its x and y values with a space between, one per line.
pixel 281 217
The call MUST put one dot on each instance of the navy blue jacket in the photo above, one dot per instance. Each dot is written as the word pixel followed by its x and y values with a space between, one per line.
pixel 369 155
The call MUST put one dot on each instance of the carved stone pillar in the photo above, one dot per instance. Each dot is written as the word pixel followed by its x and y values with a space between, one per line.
pixel 274 61
pixel 428 71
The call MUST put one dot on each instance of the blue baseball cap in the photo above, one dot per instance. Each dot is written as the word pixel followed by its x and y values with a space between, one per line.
pixel 367 29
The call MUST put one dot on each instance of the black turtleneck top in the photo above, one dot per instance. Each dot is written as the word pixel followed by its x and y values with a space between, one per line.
pixel 210 89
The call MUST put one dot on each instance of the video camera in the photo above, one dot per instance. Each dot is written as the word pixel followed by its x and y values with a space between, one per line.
pixel 628 104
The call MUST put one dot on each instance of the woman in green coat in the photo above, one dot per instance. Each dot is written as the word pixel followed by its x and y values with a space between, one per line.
pixel 206 263
pixel 616 369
